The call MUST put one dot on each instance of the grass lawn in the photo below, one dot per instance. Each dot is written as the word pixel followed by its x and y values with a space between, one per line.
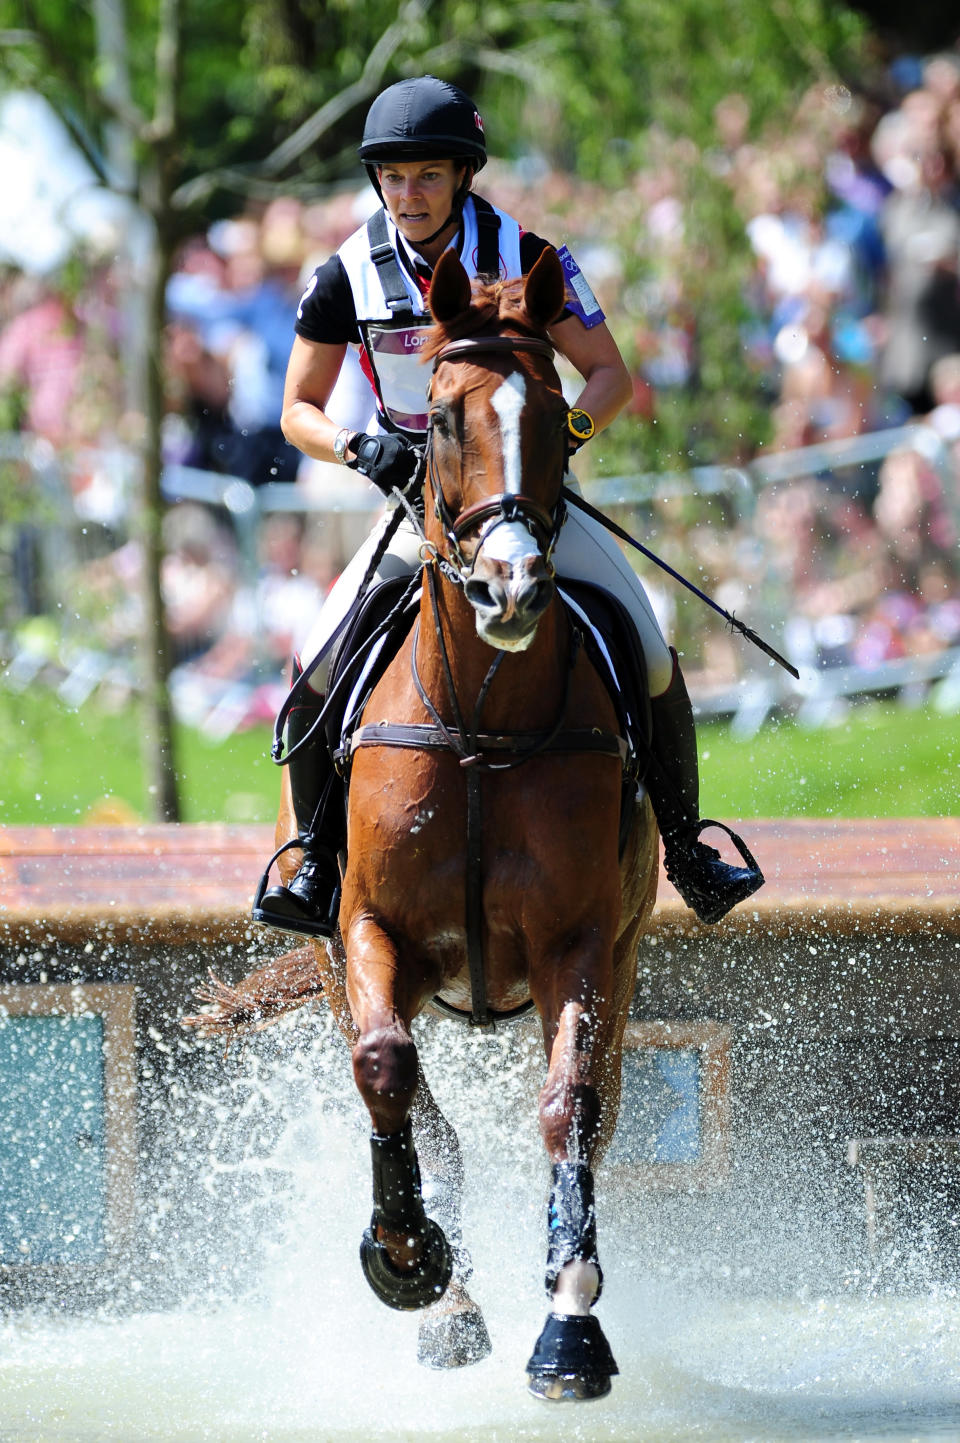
pixel 885 759
pixel 67 766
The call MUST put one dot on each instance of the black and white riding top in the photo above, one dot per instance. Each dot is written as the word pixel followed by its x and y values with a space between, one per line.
pixel 372 294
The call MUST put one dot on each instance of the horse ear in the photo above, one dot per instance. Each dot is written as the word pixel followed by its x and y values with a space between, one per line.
pixel 544 292
pixel 450 288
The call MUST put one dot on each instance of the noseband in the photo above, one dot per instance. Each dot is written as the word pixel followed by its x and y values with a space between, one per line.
pixel 544 525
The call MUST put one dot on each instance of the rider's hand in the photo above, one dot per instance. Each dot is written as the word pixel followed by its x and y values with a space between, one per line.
pixel 387 461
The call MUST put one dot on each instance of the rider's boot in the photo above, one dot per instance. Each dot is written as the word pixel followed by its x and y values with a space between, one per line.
pixel 309 905
pixel 709 885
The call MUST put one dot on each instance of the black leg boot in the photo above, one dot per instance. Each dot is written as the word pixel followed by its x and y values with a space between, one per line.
pixel 310 904
pixel 709 885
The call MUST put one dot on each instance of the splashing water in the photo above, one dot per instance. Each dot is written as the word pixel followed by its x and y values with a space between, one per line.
pixel 253 1321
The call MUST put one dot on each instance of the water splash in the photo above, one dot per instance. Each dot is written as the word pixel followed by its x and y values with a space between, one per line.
pixel 246 1317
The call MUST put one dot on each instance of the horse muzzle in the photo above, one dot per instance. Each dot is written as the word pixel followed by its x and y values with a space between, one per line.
pixel 509 598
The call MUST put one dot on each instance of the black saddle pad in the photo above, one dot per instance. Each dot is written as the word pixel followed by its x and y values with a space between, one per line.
pixel 609 636
pixel 623 669
pixel 378 611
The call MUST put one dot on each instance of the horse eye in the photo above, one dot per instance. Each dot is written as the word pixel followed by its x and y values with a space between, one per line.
pixel 441 423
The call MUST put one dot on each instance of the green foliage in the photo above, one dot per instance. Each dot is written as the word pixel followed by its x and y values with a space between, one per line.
pixel 611 90
pixel 598 76
pixel 696 289
pixel 580 81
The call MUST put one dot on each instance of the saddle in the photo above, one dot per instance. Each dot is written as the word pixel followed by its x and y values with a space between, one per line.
pixel 384 616
pixel 613 645
pixel 375 632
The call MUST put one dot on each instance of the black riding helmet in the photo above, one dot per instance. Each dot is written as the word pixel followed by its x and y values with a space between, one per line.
pixel 424 119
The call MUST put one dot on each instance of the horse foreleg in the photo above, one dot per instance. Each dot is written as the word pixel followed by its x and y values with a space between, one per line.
pixel 572 1358
pixel 404 1254
pixel 570 1127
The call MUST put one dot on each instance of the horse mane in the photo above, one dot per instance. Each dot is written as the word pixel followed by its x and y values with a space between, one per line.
pixel 493 305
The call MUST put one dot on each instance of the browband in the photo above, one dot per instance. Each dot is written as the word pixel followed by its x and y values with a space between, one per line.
pixel 470 345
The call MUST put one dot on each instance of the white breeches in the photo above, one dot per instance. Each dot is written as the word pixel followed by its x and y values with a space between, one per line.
pixel 585 552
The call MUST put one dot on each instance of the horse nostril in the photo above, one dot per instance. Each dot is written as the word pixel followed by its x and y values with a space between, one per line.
pixel 534 598
pixel 480 595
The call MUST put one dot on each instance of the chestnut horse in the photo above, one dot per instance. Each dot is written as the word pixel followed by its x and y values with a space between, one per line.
pixel 486 863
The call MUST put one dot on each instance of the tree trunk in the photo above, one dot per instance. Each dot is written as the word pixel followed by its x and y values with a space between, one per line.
pixel 150 251
pixel 158 739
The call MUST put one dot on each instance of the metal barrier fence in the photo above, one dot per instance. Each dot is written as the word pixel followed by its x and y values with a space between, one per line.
pixel 65 524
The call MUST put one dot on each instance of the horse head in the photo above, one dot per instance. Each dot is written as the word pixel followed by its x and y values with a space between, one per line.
pixel 497 446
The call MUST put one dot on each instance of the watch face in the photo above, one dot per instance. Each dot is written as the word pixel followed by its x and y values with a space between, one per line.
pixel 580 424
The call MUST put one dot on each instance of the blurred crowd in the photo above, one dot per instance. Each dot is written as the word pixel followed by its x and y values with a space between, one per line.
pixel 850 325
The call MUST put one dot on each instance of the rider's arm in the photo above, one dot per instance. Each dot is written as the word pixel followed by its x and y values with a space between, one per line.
pixel 595 354
pixel 312 373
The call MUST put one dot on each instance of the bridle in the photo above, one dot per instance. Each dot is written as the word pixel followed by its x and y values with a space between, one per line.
pixel 543 524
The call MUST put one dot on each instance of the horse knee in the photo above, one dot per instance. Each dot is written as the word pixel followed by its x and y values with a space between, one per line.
pixel 385 1070
pixel 569 1119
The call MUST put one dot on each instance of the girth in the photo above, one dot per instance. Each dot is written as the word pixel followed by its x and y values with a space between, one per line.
pixel 506 745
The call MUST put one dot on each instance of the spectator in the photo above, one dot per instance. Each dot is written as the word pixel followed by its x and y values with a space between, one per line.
pixel 58 364
pixel 945 416
pixel 921 229
pixel 198 579
pixel 239 306
pixel 198 430
pixel 912 516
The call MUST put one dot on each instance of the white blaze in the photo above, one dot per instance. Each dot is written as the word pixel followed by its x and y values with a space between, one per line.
pixel 508 401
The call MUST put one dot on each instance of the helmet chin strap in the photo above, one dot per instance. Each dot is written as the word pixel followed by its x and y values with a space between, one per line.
pixel 452 218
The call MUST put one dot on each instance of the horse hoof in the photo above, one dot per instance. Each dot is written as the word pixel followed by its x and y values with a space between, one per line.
pixel 571 1360
pixel 409 1288
pixel 453 1339
pixel 565 1389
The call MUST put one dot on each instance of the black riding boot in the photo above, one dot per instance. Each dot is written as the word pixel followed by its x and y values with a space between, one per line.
pixel 705 882
pixel 310 904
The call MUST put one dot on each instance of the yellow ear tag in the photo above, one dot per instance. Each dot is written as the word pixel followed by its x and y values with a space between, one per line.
pixel 580 425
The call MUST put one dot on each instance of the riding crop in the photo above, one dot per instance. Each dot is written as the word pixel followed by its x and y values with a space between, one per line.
pixel 733 621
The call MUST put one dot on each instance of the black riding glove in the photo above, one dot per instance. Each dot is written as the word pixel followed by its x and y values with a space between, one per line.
pixel 387 461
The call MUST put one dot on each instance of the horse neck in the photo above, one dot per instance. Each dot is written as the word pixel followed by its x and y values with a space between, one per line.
pixel 529 686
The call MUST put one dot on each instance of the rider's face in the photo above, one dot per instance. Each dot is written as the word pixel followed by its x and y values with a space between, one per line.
pixel 419 194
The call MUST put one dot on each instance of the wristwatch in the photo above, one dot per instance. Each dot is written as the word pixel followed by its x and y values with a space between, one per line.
pixel 340 443
pixel 580 427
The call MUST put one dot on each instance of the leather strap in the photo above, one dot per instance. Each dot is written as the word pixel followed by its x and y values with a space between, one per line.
pixel 388 269
pixel 468 346
pixel 460 1014
pixel 420 736
pixel 488 238
pixel 507 506
pixel 473 905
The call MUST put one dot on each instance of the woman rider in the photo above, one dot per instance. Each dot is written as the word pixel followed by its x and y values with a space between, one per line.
pixel 423 143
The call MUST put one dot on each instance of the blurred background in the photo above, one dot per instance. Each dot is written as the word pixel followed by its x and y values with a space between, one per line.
pixel 766 200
